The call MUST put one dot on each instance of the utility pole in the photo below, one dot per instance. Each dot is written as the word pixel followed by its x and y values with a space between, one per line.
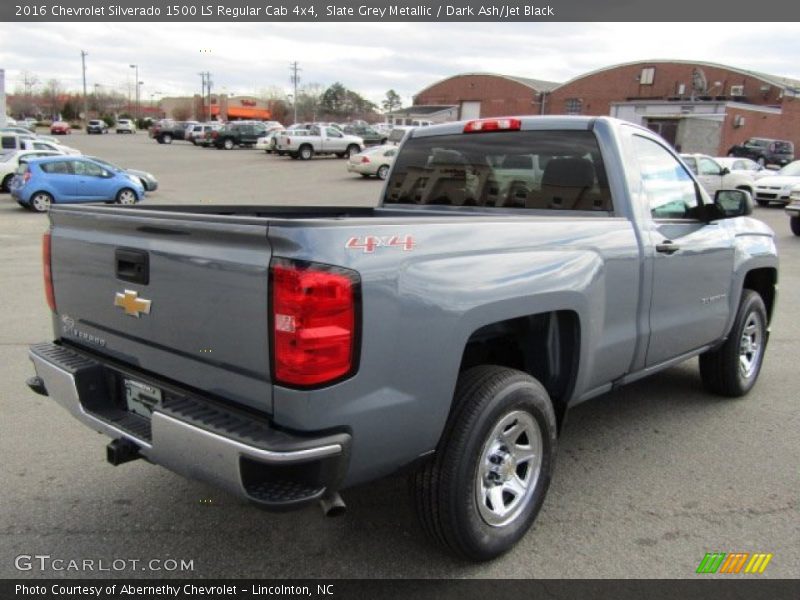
pixel 83 63
pixel 136 68
pixel 206 95
pixel 295 79
pixel 203 94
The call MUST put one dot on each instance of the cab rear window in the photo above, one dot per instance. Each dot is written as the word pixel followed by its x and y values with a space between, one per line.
pixel 551 170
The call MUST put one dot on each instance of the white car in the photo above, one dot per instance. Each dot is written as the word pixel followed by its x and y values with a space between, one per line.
pixel 741 165
pixel 793 210
pixel 40 144
pixel 126 126
pixel 713 176
pixel 778 187
pixel 269 142
pixel 9 163
pixel 375 161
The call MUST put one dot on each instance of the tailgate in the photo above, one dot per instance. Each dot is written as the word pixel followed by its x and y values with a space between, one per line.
pixel 205 279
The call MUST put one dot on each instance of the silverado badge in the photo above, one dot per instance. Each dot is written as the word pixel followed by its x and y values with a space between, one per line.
pixel 132 304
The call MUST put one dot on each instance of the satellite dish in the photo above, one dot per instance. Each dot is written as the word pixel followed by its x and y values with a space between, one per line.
pixel 699 81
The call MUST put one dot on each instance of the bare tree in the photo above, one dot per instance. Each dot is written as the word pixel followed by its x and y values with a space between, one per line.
pixel 52 97
pixel 183 111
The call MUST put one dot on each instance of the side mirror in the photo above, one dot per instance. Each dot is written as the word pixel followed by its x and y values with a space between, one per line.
pixel 733 203
pixel 724 171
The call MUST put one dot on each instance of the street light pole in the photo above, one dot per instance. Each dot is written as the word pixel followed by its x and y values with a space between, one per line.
pixel 83 64
pixel 136 67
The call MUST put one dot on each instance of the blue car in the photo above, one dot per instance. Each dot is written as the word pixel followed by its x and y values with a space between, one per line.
pixel 68 179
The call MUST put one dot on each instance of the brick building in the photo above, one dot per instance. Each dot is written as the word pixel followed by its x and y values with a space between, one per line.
pixel 697 106
pixel 477 95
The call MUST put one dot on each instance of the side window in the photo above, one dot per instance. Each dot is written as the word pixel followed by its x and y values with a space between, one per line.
pixel 691 163
pixel 87 169
pixel 9 142
pixel 670 190
pixel 332 132
pixel 60 167
pixel 708 167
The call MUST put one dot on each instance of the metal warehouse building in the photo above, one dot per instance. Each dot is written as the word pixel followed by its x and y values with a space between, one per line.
pixel 696 106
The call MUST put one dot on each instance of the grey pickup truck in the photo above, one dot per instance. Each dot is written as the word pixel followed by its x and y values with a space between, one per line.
pixel 514 268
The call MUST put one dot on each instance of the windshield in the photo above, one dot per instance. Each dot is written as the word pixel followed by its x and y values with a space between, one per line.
pixel 558 170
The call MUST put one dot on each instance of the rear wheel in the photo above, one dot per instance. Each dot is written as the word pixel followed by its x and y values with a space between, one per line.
pixel 306 152
pixel 383 172
pixel 41 201
pixel 794 223
pixel 126 196
pixel 228 144
pixel 166 138
pixel 483 488
pixel 733 368
pixel 351 149
pixel 6 185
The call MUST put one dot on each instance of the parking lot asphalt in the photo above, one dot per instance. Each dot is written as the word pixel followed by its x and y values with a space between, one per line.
pixel 649 478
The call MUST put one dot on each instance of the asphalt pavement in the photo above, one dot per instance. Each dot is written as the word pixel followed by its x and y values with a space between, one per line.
pixel 648 478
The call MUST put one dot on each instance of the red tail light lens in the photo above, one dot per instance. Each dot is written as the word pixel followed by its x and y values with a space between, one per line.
pixel 314 323
pixel 483 125
pixel 26 177
pixel 364 159
pixel 48 272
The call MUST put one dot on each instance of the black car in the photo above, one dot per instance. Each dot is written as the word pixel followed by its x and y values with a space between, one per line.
pixel 368 134
pixel 238 134
pixel 96 126
pixel 765 151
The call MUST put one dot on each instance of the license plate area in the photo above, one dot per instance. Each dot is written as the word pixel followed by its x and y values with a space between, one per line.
pixel 141 398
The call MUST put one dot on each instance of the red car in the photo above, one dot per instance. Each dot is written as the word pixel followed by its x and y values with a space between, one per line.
pixel 60 128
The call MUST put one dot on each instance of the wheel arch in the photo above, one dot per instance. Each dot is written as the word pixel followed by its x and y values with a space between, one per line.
pixel 545 345
pixel 763 281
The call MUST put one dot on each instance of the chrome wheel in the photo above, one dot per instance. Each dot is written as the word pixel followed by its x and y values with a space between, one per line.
pixel 509 468
pixel 750 346
pixel 41 202
pixel 126 197
pixel 228 144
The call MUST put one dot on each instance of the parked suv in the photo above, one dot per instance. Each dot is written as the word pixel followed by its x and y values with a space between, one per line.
pixel 96 126
pixel 238 134
pixel 196 132
pixel 765 151
pixel 370 136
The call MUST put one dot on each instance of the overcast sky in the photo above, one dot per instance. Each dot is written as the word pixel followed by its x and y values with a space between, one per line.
pixel 370 58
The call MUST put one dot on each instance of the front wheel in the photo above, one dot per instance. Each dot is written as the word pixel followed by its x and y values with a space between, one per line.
pixel 126 196
pixel 733 368
pixel 483 488
pixel 41 201
pixel 794 223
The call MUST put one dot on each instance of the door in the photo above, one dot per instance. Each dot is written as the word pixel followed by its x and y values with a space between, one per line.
pixel 691 259
pixel 470 110
pixel 93 182
pixel 61 179
pixel 333 140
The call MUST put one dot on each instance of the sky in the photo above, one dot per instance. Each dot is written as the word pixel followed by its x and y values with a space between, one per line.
pixel 370 58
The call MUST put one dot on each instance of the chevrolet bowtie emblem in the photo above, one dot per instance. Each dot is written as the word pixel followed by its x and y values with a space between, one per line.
pixel 132 304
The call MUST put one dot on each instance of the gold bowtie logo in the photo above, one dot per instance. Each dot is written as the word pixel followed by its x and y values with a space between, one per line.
pixel 132 304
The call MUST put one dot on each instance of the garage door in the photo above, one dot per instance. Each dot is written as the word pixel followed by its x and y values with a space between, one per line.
pixel 470 110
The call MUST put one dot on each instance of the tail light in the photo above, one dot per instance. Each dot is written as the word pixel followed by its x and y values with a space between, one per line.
pixel 315 316
pixel 26 177
pixel 364 159
pixel 483 125
pixel 48 272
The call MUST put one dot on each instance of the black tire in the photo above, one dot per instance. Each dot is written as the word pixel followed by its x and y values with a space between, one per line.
pixel 383 172
pixel 722 370
pixel 447 489
pixel 125 196
pixel 6 185
pixel 794 224
pixel 383 141
pixel 159 140
pixel 166 138
pixel 305 152
pixel 762 202
pixel 351 149
pixel 228 144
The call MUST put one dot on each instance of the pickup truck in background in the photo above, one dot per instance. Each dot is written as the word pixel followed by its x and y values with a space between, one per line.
pixel 445 332
pixel 305 143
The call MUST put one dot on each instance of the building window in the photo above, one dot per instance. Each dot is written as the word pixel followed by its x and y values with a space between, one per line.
pixel 573 106
pixel 647 76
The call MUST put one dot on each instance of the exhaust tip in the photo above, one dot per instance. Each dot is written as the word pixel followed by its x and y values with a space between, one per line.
pixel 332 505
